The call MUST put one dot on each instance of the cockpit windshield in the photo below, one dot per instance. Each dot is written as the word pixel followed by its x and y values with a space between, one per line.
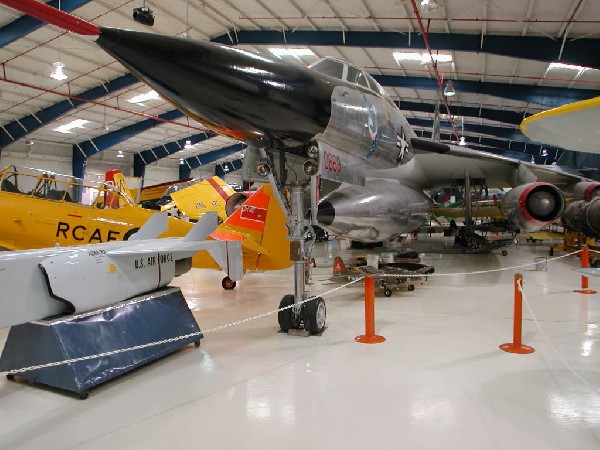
pixel 343 70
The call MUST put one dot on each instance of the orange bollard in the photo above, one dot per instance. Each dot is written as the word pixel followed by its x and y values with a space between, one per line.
pixel 369 337
pixel 585 263
pixel 516 346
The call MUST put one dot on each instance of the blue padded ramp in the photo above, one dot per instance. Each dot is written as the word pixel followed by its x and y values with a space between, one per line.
pixel 152 317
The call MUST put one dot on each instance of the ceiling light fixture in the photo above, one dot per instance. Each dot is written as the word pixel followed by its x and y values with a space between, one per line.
pixel 449 89
pixel 151 95
pixel 188 144
pixel 66 128
pixel 295 52
pixel 120 154
pixel 58 73
pixel 429 5
pixel 423 58
pixel 462 141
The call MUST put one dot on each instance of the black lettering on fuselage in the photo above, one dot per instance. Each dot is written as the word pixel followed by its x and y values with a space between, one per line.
pixel 96 236
pixel 79 232
pixel 151 261
pixel 62 228
pixel 74 232
pixel 139 263
pixel 112 235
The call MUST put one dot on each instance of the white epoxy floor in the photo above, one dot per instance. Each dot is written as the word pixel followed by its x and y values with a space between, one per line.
pixel 439 380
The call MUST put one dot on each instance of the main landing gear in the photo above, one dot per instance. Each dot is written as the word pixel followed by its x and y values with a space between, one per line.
pixel 302 311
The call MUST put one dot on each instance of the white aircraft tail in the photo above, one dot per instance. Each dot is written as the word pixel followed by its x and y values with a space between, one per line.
pixel 203 228
pixel 156 225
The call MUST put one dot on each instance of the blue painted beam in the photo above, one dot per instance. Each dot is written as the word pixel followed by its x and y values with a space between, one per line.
pixel 542 95
pixel 100 143
pixel 498 115
pixel 162 151
pixel 582 51
pixel 21 127
pixel 194 162
pixel 25 24
pixel 229 167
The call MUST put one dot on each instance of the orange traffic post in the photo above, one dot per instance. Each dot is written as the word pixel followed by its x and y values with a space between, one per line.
pixel 516 346
pixel 585 263
pixel 369 337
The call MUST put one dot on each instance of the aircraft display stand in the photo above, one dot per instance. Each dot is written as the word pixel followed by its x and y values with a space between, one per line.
pixel 158 316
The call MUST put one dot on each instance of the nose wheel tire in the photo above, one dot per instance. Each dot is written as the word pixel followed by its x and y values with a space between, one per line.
pixel 287 319
pixel 314 316
pixel 228 284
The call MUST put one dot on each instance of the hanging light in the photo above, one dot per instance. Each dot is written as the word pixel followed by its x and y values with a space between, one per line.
pixel 188 144
pixel 429 5
pixel 449 89
pixel 58 73
pixel 120 154
pixel 181 161
pixel 462 141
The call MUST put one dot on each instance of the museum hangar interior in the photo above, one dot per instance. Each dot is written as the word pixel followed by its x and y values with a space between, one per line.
pixel 463 72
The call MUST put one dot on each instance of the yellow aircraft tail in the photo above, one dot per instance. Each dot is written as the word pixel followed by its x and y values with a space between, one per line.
pixel 259 223
pixel 212 194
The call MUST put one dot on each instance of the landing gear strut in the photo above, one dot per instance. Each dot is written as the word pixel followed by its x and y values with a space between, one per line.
pixel 301 312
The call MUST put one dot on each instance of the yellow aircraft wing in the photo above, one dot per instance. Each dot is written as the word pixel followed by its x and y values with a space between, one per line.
pixel 573 126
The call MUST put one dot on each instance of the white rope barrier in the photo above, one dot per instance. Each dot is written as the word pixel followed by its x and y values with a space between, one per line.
pixel 259 316
pixel 552 347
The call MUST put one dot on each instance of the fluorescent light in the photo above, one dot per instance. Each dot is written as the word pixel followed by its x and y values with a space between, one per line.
pixel 296 52
pixel 152 95
pixel 188 144
pixel 423 58
pixel 66 128
pixel 58 73
pixel 557 65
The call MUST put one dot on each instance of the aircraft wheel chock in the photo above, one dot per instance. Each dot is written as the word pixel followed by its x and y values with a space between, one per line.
pixel 388 292
pixel 228 284
pixel 286 317
pixel 314 316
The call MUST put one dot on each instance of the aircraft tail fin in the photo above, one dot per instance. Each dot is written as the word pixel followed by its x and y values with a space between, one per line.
pixel 261 226
pixel 338 266
pixel 202 229
pixel 154 226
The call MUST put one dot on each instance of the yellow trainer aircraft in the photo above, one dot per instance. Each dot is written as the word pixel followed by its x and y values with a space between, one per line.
pixel 43 209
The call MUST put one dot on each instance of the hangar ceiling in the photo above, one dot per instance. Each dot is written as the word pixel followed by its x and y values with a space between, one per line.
pixel 506 58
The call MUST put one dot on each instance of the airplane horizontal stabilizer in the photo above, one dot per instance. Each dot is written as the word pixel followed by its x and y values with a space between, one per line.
pixel 156 225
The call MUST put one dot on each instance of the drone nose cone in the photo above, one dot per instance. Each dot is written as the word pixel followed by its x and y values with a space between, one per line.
pixel 326 213
pixel 245 95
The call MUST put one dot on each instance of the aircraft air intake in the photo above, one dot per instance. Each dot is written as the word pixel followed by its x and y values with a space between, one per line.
pixel 534 205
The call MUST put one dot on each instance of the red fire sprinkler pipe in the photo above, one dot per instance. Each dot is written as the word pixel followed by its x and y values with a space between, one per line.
pixel 54 16
pixel 437 75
